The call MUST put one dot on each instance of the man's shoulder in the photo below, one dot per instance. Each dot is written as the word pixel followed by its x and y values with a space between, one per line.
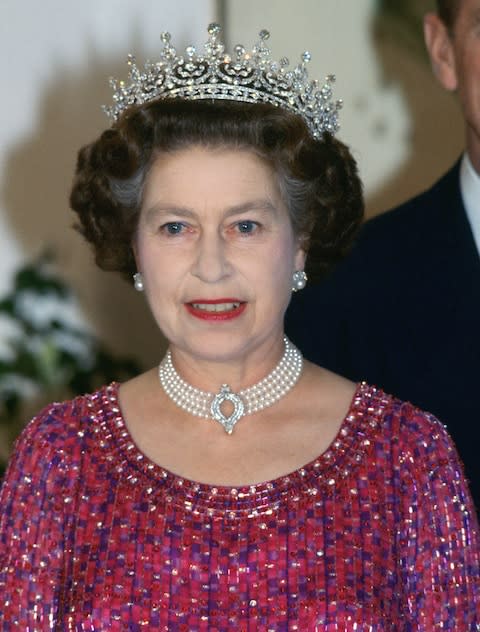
pixel 392 247
pixel 413 220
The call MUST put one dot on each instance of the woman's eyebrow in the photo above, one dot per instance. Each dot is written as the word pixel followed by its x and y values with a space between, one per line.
pixel 260 204
pixel 165 208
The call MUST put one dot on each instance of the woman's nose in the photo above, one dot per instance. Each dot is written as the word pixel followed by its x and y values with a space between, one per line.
pixel 211 263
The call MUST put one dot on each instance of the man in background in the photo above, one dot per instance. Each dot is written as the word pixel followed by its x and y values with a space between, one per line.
pixel 403 311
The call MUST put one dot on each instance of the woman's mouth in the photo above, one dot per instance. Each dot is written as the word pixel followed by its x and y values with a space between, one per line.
pixel 218 309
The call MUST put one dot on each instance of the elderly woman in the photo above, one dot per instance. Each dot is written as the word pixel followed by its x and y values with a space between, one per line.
pixel 234 487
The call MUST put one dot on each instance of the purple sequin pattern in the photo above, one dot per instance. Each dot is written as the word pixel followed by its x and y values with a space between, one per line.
pixel 376 534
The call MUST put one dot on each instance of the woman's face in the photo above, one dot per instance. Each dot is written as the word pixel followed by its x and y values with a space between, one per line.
pixel 216 250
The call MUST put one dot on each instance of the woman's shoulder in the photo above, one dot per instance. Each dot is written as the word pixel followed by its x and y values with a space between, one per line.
pixel 61 416
pixel 414 426
pixel 414 436
pixel 372 410
pixel 55 435
pixel 405 420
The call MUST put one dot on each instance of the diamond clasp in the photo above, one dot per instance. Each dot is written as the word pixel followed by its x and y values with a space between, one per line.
pixel 225 395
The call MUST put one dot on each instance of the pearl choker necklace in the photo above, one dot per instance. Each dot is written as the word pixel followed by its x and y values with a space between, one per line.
pixel 257 397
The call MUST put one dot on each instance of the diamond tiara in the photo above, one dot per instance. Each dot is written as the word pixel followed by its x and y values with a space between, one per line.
pixel 248 76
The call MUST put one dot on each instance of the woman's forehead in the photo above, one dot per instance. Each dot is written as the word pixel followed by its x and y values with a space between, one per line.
pixel 217 171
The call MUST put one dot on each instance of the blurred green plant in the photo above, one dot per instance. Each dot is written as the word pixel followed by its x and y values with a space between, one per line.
pixel 46 353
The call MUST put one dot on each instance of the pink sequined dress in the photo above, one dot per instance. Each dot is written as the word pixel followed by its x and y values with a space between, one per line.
pixel 378 533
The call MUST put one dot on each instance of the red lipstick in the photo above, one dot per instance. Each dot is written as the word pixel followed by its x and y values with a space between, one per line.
pixel 219 309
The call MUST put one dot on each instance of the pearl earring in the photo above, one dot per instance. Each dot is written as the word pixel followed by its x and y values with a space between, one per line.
pixel 299 280
pixel 138 282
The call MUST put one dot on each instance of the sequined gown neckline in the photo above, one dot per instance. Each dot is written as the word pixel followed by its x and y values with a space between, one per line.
pixel 341 454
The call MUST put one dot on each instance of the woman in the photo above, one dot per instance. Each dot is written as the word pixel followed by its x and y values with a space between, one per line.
pixel 234 487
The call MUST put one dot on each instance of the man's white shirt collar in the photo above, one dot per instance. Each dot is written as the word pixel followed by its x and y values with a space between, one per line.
pixel 470 190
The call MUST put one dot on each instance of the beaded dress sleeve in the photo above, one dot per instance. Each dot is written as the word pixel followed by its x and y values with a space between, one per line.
pixel 438 537
pixel 34 515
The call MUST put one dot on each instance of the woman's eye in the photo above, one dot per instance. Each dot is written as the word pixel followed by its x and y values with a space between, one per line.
pixel 172 228
pixel 247 227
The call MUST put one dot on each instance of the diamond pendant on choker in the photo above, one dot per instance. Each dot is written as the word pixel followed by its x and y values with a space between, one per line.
pixel 248 401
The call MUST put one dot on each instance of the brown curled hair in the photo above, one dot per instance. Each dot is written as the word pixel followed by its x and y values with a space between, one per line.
pixel 447 11
pixel 318 178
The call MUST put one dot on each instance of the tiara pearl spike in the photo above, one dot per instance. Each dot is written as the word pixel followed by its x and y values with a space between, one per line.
pixel 248 76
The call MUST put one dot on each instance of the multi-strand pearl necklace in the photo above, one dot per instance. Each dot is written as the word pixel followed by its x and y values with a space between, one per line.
pixel 250 400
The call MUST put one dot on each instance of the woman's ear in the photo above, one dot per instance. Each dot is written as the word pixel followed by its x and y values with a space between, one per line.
pixel 441 50
pixel 300 256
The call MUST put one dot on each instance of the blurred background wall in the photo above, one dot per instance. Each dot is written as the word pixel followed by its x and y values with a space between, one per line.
pixel 403 129
pixel 56 59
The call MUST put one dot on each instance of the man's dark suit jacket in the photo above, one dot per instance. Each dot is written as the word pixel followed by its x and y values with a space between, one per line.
pixel 403 313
